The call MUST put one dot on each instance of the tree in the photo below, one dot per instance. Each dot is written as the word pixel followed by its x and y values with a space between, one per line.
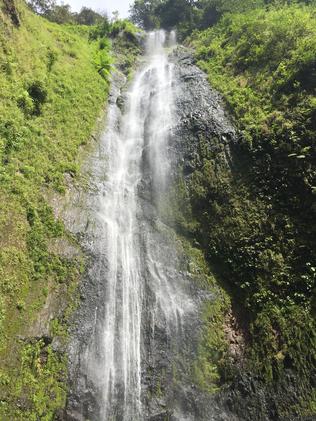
pixel 172 13
pixel 144 13
pixel 186 15
pixel 87 16
pixel 60 14
pixel 41 7
pixel 115 15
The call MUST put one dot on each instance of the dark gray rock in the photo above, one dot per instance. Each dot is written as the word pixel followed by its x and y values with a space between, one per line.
pixel 167 389
pixel 168 348
pixel 201 116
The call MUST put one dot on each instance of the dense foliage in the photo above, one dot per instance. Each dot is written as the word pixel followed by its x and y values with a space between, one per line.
pixel 54 81
pixel 258 224
pixel 62 13
pixel 188 15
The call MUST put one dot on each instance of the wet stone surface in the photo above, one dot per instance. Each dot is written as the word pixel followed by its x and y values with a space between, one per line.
pixel 170 300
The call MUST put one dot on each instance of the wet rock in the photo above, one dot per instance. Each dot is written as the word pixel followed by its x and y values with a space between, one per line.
pixel 121 102
pixel 202 116
pixel 170 335
pixel 63 248
pixel 58 345
pixel 162 416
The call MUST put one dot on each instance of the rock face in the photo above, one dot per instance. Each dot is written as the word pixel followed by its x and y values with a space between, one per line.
pixel 172 300
pixel 203 124
pixel 171 308
pixel 201 116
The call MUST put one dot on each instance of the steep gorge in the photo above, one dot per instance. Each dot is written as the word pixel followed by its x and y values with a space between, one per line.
pixel 139 325
pixel 166 235
pixel 206 370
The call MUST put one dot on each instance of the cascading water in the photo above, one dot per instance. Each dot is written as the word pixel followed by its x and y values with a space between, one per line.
pixel 113 357
pixel 139 320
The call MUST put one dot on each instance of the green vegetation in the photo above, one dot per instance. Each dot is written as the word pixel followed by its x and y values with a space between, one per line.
pixel 54 82
pixel 257 223
pixel 125 40
pixel 212 356
pixel 61 13
pixel 186 15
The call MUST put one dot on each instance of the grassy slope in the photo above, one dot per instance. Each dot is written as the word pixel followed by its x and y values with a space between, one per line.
pixel 51 95
pixel 259 223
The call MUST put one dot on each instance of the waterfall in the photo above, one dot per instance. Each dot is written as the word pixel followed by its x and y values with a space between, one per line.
pixel 135 348
pixel 135 144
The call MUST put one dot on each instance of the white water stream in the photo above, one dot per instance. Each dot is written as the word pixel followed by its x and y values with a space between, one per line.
pixel 139 321
pixel 143 129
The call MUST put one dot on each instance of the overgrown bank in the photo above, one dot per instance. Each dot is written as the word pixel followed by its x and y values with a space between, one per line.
pixel 54 83
pixel 256 221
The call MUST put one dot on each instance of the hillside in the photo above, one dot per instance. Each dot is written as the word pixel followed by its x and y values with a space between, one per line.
pixel 54 83
pixel 258 223
pixel 255 218
pixel 202 253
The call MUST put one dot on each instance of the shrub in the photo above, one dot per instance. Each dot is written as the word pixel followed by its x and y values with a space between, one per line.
pixel 26 103
pixel 260 235
pixel 51 59
pixel 38 93
pixel 103 63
